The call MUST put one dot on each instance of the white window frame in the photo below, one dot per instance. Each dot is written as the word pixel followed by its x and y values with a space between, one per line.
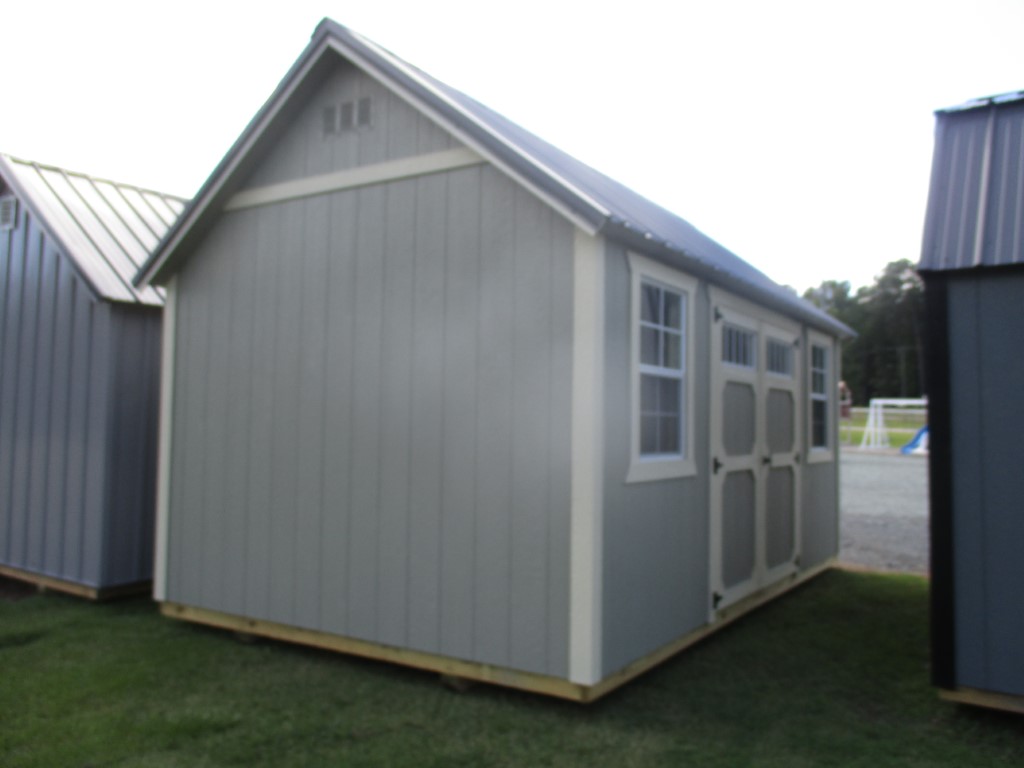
pixel 827 451
pixel 661 466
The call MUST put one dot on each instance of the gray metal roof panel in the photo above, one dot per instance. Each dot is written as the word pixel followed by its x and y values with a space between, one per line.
pixel 95 223
pixel 590 197
pixel 975 215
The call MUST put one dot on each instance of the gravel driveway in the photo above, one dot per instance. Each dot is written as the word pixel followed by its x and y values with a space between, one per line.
pixel 884 511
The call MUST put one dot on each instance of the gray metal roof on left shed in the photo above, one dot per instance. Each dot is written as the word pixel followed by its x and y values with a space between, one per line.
pixel 107 229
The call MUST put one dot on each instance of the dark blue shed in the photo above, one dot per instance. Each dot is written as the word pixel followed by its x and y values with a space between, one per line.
pixel 79 378
pixel 973 268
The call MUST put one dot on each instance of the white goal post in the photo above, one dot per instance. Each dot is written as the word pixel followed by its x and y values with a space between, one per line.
pixel 876 435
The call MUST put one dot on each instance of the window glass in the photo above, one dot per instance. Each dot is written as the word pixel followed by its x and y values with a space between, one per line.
pixel 661 369
pixel 819 397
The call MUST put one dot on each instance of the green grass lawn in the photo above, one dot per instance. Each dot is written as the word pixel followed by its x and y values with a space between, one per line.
pixel 833 674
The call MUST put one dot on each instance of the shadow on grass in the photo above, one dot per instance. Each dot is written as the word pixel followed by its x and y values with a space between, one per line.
pixel 835 673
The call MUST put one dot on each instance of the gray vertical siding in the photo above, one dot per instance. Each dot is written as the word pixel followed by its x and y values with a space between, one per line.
pixel 397 131
pixel 819 531
pixel 76 446
pixel 372 417
pixel 656 533
pixel 986 376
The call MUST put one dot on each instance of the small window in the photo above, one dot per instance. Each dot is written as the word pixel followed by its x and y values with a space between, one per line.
pixel 662 409
pixel 780 358
pixel 739 346
pixel 348 120
pixel 819 397
pixel 8 212
pixel 363 113
pixel 330 120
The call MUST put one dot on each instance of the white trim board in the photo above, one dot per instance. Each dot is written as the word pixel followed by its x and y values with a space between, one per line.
pixel 586 515
pixel 166 421
pixel 361 176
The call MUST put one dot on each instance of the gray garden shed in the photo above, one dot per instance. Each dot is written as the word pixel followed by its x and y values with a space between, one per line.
pixel 436 392
pixel 973 268
pixel 79 378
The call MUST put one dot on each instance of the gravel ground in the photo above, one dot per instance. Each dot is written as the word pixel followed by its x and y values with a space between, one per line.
pixel 884 511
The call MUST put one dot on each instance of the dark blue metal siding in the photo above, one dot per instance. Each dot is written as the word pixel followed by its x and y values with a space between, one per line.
pixel 976 205
pixel 986 381
pixel 72 441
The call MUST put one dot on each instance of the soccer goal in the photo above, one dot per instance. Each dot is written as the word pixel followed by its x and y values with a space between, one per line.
pixel 889 415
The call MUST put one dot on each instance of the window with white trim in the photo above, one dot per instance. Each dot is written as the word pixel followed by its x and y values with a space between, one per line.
pixel 819 397
pixel 660 362
pixel 739 346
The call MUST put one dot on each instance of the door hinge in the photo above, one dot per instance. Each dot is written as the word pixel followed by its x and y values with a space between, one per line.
pixel 715 600
pixel 796 459
pixel 718 314
pixel 715 465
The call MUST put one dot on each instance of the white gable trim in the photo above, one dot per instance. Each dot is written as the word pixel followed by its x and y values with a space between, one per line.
pixel 365 175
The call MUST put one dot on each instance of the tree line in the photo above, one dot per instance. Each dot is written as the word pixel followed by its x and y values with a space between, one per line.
pixel 886 358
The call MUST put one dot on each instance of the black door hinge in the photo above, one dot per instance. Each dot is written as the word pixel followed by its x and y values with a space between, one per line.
pixel 715 465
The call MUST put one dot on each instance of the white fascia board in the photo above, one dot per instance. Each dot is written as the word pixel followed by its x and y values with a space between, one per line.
pixel 462 136
pixel 237 154
pixel 360 176
pixel 586 543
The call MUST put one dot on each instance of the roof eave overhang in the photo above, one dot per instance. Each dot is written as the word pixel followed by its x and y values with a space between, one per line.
pixel 679 258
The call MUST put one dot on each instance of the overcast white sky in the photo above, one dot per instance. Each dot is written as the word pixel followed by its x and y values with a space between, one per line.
pixel 796 133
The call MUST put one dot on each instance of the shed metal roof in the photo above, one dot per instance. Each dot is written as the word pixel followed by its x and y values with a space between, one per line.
pixel 107 229
pixel 975 215
pixel 595 201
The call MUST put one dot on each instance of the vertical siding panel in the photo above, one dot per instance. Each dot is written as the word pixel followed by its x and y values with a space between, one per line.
pixel 559 432
pixel 427 415
pixel 285 440
pixel 98 431
pixel 460 410
pixel 78 448
pixel 313 344
pixel 366 422
pixel 215 448
pixel 238 411
pixel 396 393
pixel 531 451
pixel 60 432
pixel 494 422
pixel 24 388
pixel 259 549
pixel 191 434
pixel 46 336
pixel 339 407
pixel 11 315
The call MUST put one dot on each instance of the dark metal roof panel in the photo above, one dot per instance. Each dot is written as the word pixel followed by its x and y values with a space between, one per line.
pixel 107 229
pixel 975 214
pixel 588 196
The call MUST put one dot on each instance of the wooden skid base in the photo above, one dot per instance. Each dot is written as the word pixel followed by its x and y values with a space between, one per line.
pixel 73 588
pixel 988 699
pixel 486 673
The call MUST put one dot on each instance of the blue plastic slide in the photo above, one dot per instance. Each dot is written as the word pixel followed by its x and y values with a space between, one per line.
pixel 919 443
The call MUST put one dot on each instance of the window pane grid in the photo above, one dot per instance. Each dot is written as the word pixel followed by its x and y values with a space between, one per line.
pixel 738 346
pixel 780 358
pixel 661 367
pixel 819 397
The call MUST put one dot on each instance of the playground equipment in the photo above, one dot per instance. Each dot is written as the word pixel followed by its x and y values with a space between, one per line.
pixel 876 434
pixel 917 445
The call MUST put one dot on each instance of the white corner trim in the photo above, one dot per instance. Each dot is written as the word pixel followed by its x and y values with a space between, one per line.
pixel 163 477
pixel 586 514
pixel 360 176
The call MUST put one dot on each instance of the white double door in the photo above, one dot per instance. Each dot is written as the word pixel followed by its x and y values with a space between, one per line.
pixel 756 365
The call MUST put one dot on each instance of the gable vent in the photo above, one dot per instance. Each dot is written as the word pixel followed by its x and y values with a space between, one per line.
pixel 8 212
pixel 347 116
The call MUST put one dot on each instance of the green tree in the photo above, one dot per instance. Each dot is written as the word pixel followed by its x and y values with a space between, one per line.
pixel 885 358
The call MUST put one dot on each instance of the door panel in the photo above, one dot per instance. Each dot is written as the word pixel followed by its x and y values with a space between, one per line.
pixel 755 424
